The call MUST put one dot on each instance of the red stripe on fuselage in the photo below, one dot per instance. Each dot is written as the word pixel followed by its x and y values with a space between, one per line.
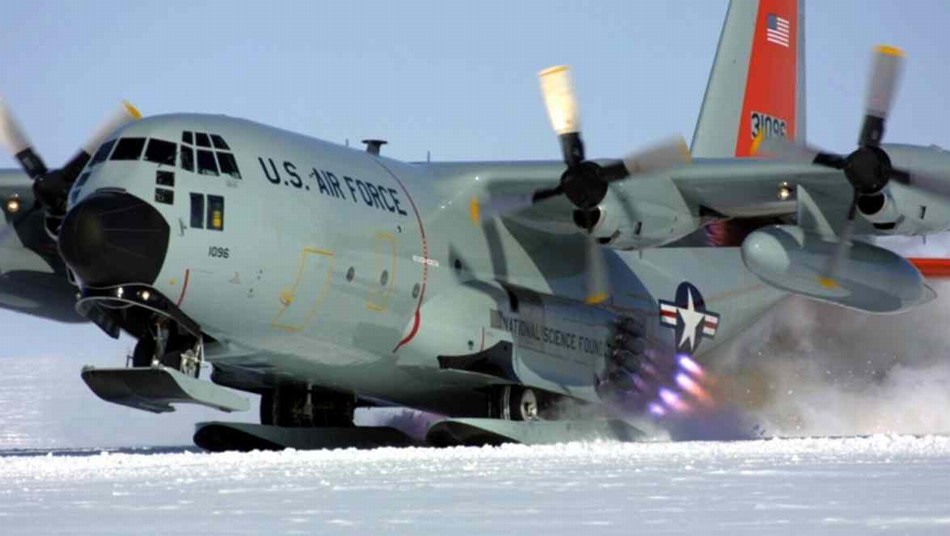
pixel 417 317
pixel 184 288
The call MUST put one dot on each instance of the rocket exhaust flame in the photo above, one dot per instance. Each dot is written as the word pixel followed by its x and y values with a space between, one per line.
pixel 690 386
pixel 689 365
pixel 673 400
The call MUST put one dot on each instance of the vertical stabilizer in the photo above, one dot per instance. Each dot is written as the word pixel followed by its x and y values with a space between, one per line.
pixel 757 80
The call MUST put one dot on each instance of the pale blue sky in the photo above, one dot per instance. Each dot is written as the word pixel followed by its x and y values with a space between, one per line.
pixel 454 78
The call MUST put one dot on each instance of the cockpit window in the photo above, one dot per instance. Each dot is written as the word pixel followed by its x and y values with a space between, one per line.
pixel 202 139
pixel 187 158
pixel 219 142
pixel 161 151
pixel 102 153
pixel 206 163
pixel 128 149
pixel 228 165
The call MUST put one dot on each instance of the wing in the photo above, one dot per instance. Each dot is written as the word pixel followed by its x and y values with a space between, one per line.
pixel 33 278
pixel 731 188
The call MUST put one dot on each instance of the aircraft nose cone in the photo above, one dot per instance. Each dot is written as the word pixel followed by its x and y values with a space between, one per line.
pixel 113 238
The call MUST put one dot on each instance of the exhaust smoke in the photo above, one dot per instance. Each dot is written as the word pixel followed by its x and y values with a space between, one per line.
pixel 813 369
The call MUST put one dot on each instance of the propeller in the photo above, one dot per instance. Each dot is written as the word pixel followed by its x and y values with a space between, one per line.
pixel 868 168
pixel 584 182
pixel 51 187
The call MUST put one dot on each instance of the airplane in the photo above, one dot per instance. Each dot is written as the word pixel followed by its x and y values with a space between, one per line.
pixel 501 296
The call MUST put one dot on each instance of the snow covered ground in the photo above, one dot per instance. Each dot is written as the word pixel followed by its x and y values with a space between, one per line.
pixel 897 484
pixel 805 369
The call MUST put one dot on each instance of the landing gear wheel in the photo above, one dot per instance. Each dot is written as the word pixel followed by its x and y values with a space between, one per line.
pixel 295 406
pixel 528 408
pixel 268 409
pixel 172 360
pixel 518 403
pixel 143 353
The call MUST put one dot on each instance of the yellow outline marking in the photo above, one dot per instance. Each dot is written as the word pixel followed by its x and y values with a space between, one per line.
pixel 827 282
pixel 378 300
pixel 289 296
pixel 474 210
pixel 596 298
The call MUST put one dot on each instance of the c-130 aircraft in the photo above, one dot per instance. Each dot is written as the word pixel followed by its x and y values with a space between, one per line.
pixel 492 293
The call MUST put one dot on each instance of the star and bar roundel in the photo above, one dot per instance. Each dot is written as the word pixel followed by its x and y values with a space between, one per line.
pixel 688 316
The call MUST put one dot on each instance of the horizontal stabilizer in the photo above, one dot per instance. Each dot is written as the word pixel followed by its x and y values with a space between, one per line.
pixel 155 389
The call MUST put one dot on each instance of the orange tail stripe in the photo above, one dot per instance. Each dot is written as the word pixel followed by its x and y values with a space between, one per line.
pixel 932 267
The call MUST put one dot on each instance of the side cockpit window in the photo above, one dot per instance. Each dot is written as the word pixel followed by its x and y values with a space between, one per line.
pixel 161 151
pixel 213 217
pixel 128 149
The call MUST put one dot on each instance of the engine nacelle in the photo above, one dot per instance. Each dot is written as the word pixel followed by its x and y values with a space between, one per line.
pixel 880 209
pixel 899 210
pixel 651 215
pixel 869 278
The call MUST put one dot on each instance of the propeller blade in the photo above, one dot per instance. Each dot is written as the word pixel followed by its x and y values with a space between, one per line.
pixel 505 204
pixel 844 242
pixel 598 285
pixel 18 144
pixel 933 184
pixel 885 76
pixel 563 111
pixel 792 152
pixel 669 153
pixel 124 114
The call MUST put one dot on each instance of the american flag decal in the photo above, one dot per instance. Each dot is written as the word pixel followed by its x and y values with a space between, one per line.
pixel 777 30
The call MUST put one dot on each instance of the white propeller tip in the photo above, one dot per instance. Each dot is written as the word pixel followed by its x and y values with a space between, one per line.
pixel 11 134
pixel 559 99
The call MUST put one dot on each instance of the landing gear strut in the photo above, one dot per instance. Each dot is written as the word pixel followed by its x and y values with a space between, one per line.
pixel 300 406
pixel 164 344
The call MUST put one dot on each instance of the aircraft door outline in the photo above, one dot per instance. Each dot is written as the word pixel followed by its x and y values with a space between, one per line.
pixel 310 288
